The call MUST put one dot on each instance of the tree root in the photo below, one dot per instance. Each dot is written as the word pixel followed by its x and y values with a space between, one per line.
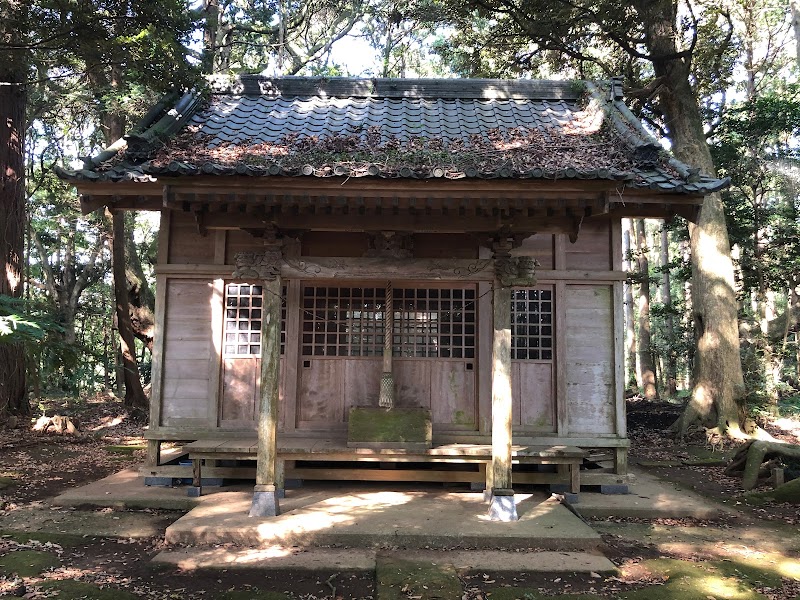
pixel 749 459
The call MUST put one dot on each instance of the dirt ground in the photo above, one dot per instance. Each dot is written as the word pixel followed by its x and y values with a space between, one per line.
pixel 753 550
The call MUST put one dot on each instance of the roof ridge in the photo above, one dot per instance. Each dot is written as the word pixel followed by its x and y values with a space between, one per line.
pixel 380 87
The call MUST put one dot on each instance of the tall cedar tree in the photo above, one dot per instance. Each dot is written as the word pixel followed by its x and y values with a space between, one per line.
pixel 640 36
pixel 120 47
pixel 13 75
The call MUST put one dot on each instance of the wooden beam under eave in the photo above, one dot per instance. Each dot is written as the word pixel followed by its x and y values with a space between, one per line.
pixel 90 203
pixel 689 212
pixel 437 222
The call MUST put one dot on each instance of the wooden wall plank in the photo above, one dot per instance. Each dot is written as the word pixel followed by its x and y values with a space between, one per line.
pixel 240 241
pixel 321 397
pixel 484 356
pixel 157 376
pixel 239 389
pixel 215 349
pixel 535 400
pixel 338 243
pixel 185 244
pixel 289 389
pixel 560 357
pixel 412 379
pixel 186 396
pixel 453 393
pixel 163 237
pixel 220 243
pixel 540 246
pixel 183 368
pixel 445 245
pixel 592 250
pixel 362 381
pixel 616 245
pixel 589 358
pixel 619 361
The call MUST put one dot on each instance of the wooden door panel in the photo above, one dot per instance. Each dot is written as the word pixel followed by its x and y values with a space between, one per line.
pixel 239 383
pixel 412 381
pixel 321 393
pixel 453 390
pixel 362 382
pixel 534 401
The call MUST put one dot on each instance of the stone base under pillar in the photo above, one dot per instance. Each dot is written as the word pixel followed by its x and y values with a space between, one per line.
pixel 503 507
pixel 265 502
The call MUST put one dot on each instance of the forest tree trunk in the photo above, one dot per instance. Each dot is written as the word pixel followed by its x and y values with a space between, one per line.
pixel 718 386
pixel 646 362
pixel 671 362
pixel 630 327
pixel 13 102
pixel 141 299
pixel 135 398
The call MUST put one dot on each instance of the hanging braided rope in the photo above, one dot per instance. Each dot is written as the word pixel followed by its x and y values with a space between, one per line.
pixel 386 398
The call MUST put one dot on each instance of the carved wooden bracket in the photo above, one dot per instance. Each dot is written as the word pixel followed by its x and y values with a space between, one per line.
pixel 390 244
pixel 512 270
pixel 265 265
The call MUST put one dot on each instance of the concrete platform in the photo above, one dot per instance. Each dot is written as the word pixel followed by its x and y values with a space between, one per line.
pixel 126 489
pixel 649 498
pixel 371 516
pixel 364 559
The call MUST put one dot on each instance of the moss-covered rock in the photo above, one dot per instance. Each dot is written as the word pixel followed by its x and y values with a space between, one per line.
pixel 28 563
pixel 69 589
pixel 6 482
pixel 788 492
pixel 401 579
pixel 367 425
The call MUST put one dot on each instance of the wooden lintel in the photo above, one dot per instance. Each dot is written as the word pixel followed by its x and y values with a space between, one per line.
pixel 437 222
pixel 388 268
pixel 304 267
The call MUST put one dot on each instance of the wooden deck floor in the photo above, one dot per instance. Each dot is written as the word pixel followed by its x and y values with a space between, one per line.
pixel 300 458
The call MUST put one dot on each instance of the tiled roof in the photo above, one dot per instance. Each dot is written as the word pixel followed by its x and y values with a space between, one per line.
pixel 407 128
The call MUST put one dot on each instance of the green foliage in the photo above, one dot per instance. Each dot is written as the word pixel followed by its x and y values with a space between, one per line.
pixel 20 323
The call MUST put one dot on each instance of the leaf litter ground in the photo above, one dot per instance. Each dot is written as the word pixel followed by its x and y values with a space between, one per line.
pixel 748 553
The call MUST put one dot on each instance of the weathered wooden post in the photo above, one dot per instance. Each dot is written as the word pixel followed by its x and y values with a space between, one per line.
pixel 509 271
pixel 266 267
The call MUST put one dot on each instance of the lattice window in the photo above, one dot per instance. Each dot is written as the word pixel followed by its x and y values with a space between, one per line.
pixel 342 321
pixel 532 324
pixel 244 305
pixel 350 322
pixel 438 323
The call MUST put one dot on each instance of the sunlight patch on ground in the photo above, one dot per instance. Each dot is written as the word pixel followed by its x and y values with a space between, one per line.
pixel 789 567
pixel 788 425
pixel 770 561
pixel 241 558
pixel 339 510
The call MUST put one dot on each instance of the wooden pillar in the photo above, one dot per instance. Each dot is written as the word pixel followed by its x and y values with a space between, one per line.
pixel 509 271
pixel 503 507
pixel 265 496
pixel 266 266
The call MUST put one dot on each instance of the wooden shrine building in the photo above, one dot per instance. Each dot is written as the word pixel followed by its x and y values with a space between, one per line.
pixel 444 250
